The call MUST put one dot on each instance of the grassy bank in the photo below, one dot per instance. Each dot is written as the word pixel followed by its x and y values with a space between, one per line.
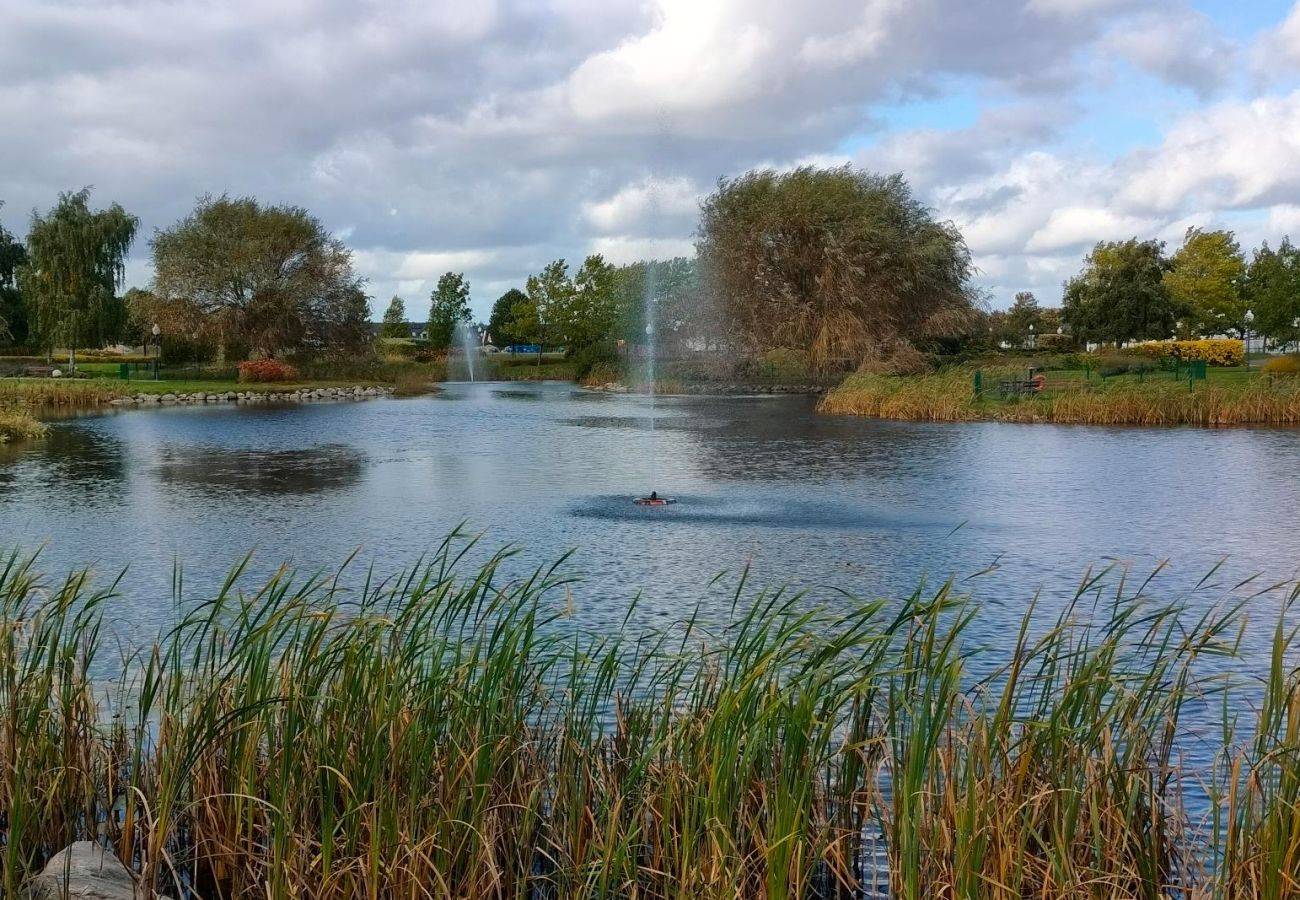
pixel 1225 399
pixel 450 735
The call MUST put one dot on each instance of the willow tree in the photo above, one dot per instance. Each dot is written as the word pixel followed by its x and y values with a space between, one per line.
pixel 838 262
pixel 76 260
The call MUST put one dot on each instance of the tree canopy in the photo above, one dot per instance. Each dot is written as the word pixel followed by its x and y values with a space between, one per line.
pixel 1206 278
pixel 1121 294
pixel 502 317
pixel 835 262
pixel 394 325
pixel 1272 288
pixel 75 263
pixel 448 307
pixel 13 312
pixel 269 278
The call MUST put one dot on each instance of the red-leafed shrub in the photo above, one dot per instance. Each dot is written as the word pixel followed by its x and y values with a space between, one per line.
pixel 266 370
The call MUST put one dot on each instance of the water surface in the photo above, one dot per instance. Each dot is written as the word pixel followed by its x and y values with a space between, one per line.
pixel 824 504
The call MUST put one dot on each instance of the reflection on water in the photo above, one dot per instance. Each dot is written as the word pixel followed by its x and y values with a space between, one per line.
pixel 764 484
pixel 267 472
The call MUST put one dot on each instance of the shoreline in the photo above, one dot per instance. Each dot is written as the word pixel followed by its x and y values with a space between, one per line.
pixel 1151 403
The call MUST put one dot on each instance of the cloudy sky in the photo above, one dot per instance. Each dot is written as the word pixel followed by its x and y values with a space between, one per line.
pixel 491 137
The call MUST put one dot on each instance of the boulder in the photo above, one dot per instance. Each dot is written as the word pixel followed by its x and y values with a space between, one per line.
pixel 83 871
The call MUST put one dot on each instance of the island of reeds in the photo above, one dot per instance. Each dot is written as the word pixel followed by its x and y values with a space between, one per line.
pixel 448 733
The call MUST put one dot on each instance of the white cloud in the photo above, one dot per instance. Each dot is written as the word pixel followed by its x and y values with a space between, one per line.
pixel 1180 45
pixel 493 137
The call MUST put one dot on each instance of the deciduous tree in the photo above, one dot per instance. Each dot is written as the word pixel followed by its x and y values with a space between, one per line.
pixel 1121 294
pixel 395 325
pixel 268 277
pixel 1206 278
pixel 13 312
pixel 449 306
pixel 500 323
pixel 1273 290
pixel 75 263
pixel 836 262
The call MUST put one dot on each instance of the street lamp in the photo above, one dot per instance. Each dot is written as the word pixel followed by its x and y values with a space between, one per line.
pixel 1031 336
pixel 1250 317
pixel 157 340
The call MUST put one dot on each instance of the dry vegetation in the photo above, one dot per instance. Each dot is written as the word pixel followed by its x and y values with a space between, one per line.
pixel 949 397
pixel 436 736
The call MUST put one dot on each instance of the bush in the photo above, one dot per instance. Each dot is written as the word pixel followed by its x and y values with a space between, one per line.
pixel 587 359
pixel 1214 351
pixel 1283 365
pixel 1109 366
pixel 264 370
pixel 177 349
pixel 1055 343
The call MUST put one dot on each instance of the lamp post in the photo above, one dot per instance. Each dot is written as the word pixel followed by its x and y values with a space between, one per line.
pixel 1250 317
pixel 157 341
pixel 1032 342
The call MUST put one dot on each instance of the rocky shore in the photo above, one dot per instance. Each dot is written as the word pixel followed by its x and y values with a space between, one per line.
pixel 304 395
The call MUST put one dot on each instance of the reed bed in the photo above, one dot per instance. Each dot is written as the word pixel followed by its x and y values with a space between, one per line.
pixel 949 397
pixel 57 392
pixel 444 734
pixel 18 424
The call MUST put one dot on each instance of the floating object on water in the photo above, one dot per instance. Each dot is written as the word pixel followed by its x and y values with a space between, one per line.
pixel 653 500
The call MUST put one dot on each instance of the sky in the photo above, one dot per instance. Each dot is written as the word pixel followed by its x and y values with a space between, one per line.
pixel 491 137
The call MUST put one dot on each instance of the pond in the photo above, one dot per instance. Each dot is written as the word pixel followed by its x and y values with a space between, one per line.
pixel 809 502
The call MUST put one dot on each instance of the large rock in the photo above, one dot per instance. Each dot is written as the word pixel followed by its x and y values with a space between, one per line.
pixel 83 871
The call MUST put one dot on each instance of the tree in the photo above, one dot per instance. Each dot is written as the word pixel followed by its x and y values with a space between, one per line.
pixel 835 262
pixel 591 311
pixel 1206 277
pixel 13 312
pixel 1121 295
pixel 551 292
pixel 75 263
pixel 269 278
pixel 449 306
pixel 1272 289
pixel 500 322
pixel 1023 314
pixel 395 325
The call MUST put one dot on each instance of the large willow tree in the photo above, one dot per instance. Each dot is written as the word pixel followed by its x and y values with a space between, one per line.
pixel 837 262
pixel 75 262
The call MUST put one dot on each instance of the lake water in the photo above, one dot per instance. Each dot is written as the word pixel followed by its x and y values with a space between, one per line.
pixel 806 501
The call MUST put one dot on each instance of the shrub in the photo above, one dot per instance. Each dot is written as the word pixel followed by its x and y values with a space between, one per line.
pixel 588 359
pixel 179 349
pixel 1214 351
pixel 1109 366
pixel 262 370
pixel 1283 365
pixel 1055 343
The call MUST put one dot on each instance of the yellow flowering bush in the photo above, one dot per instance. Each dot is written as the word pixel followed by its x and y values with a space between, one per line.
pixel 1213 351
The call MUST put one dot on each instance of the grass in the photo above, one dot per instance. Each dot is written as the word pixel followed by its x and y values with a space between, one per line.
pixel 444 733
pixel 57 392
pixel 1226 398
pixel 18 424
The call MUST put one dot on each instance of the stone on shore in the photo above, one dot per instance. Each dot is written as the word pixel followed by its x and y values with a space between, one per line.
pixel 83 871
